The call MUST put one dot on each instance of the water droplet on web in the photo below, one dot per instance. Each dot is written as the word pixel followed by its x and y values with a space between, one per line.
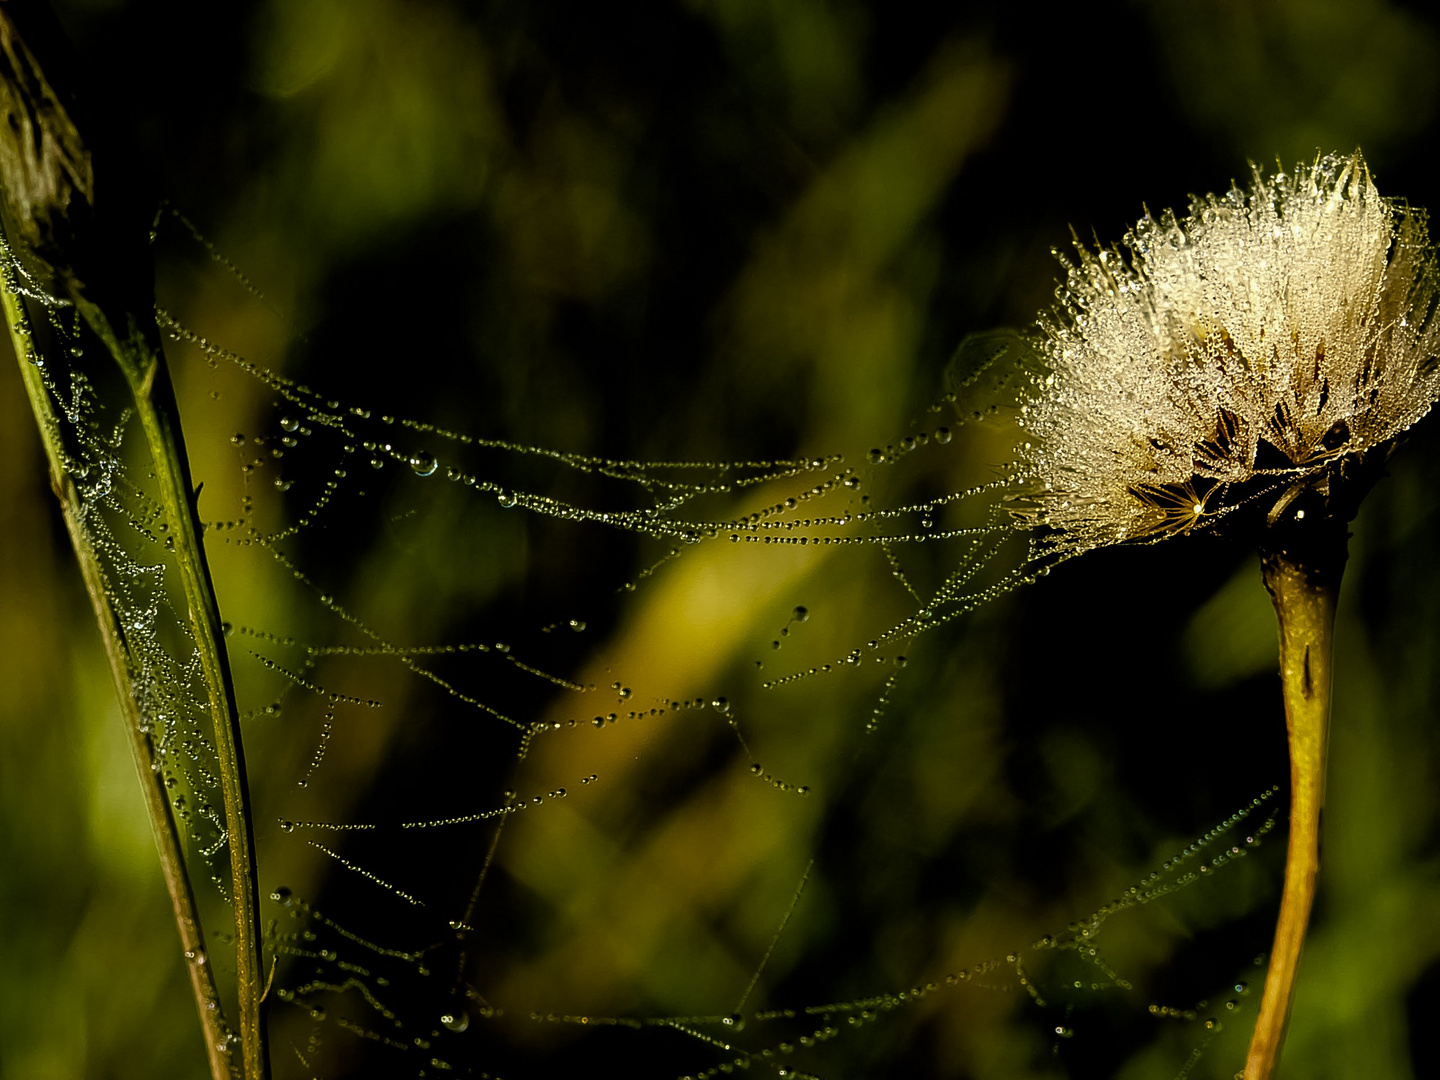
pixel 506 499
pixel 282 896
pixel 455 1021
pixel 800 614
pixel 289 423
pixel 423 463
pixel 876 456
pixel 577 625
pixel 282 485
pixel 721 705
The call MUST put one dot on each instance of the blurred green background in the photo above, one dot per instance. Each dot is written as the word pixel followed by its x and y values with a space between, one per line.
pixel 715 232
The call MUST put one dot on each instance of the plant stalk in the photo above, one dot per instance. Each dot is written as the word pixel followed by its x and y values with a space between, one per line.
pixel 85 254
pixel 1304 584
pixel 138 354
pixel 142 748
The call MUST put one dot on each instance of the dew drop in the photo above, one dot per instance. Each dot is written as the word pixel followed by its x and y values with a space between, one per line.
pixel 423 463
pixel 289 423
pixel 800 614
pixel 455 1021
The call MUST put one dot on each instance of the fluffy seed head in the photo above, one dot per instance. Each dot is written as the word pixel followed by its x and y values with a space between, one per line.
pixel 1260 349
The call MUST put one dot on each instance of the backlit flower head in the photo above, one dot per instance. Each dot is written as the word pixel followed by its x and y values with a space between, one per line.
pixel 1254 355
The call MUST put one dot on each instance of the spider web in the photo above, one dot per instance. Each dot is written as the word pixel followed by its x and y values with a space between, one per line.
pixel 561 760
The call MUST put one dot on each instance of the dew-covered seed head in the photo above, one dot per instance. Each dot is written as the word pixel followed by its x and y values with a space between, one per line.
pixel 1253 362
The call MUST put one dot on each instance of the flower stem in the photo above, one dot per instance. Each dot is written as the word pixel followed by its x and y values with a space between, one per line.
pixel 1304 581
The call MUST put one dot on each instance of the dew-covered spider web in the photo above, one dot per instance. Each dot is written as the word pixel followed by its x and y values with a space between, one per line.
pixel 565 764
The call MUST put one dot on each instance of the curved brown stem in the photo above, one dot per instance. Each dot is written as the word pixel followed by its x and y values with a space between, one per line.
pixel 1304 584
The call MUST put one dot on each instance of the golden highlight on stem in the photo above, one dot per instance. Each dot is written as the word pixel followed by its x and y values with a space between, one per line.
pixel 1304 587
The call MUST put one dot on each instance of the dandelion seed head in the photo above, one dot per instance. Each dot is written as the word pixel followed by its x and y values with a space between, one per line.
pixel 1254 351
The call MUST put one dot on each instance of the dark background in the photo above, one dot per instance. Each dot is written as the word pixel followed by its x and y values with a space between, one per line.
pixel 716 232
